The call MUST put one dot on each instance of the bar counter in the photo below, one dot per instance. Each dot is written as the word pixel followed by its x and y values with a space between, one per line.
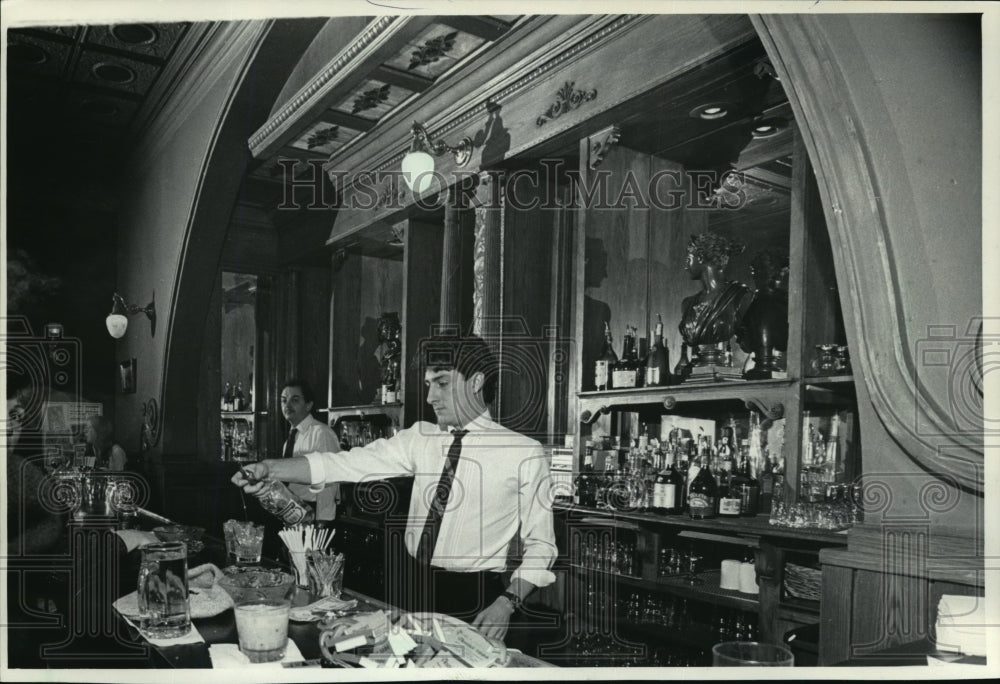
pixel 221 628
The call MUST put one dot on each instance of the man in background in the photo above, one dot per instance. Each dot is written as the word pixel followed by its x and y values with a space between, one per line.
pixel 307 435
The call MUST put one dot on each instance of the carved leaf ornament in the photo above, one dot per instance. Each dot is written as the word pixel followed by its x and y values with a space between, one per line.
pixel 568 98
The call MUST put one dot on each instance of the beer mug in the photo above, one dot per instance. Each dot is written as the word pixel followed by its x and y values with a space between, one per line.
pixel 163 591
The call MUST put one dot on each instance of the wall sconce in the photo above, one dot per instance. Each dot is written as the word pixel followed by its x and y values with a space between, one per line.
pixel 418 164
pixel 117 320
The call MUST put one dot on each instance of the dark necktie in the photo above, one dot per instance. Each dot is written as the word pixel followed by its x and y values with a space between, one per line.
pixel 428 538
pixel 290 442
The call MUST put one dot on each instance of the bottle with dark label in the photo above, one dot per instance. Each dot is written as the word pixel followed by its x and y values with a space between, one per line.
pixel 624 373
pixel 605 362
pixel 703 493
pixel 749 487
pixel 658 359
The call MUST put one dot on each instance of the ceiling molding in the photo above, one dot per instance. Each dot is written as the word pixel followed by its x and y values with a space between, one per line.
pixel 221 46
pixel 342 73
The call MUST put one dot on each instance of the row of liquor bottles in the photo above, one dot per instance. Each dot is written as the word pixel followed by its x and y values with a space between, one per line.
pixel 237 441
pixel 235 399
pixel 653 370
pixel 699 477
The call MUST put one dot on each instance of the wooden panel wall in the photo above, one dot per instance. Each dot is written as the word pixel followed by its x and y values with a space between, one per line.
pixel 364 288
pixel 528 238
pixel 314 324
pixel 422 297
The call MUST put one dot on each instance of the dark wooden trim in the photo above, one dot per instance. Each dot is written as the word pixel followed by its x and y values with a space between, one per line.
pixel 396 77
pixel 335 117
pixel 480 26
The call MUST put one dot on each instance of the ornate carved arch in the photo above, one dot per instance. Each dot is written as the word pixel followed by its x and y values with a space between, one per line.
pixel 914 409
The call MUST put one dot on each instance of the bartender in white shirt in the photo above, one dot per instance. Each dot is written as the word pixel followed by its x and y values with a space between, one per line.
pixel 307 435
pixel 479 491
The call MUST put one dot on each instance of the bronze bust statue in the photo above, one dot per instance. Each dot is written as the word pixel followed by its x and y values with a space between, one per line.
pixel 710 318
pixel 765 324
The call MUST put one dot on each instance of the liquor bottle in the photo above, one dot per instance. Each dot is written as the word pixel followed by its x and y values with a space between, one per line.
pixel 624 372
pixel 683 368
pixel 749 487
pixel 225 397
pixel 637 363
pixel 658 359
pixel 239 401
pixel 766 481
pixel 667 488
pixel 730 488
pixel 703 493
pixel 278 500
pixel 605 362
pixel 585 480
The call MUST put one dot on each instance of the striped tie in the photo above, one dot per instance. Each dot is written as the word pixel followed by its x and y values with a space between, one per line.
pixel 428 538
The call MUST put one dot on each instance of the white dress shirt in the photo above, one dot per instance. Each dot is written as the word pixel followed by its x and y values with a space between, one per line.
pixel 501 488
pixel 314 435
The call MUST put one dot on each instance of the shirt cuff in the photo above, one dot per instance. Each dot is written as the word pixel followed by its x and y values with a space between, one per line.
pixel 540 578
pixel 317 474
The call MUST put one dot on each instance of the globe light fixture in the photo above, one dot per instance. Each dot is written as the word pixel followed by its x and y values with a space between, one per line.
pixel 418 164
pixel 117 320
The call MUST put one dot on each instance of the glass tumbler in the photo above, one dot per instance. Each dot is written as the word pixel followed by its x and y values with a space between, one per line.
pixel 751 654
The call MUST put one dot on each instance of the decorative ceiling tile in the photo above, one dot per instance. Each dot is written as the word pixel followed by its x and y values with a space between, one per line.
pixel 31 54
pixel 272 170
pixel 70 32
pixel 324 138
pixel 111 71
pixel 145 39
pixel 103 109
pixel 373 99
pixel 435 51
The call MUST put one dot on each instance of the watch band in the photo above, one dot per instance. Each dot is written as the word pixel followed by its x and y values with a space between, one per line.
pixel 514 599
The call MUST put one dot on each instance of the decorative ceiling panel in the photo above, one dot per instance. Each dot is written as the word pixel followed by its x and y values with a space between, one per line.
pixel 324 138
pixel 30 54
pixel 112 71
pixel 373 99
pixel 144 39
pixel 435 51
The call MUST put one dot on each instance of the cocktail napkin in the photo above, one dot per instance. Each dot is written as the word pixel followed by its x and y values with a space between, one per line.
pixel 229 655
pixel 192 637
pixel 133 539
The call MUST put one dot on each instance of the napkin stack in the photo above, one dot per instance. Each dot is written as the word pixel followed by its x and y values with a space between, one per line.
pixel 229 655
pixel 961 624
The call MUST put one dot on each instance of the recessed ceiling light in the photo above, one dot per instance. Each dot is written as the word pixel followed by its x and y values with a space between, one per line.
pixel 134 34
pixel 23 53
pixel 765 128
pixel 710 111
pixel 99 108
pixel 113 73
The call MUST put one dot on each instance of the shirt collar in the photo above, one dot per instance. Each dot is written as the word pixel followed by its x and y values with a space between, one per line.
pixel 480 422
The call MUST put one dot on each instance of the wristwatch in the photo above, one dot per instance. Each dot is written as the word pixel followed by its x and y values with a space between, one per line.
pixel 514 599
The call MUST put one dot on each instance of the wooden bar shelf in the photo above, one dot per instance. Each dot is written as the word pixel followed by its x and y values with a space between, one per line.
pixel 740 527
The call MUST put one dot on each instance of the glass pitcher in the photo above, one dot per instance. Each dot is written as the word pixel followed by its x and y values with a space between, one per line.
pixel 164 612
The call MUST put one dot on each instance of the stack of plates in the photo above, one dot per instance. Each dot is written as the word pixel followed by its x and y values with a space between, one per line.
pixel 802 582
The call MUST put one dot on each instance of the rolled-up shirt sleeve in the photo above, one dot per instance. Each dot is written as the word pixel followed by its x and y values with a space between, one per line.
pixel 538 538
pixel 386 457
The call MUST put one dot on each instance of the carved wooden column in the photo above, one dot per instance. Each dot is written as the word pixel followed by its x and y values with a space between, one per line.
pixel 487 296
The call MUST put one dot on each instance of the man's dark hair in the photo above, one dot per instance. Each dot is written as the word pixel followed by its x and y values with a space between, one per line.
pixel 468 355
pixel 307 390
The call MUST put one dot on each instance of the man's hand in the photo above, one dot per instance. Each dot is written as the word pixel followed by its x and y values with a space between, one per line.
pixel 495 619
pixel 257 472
